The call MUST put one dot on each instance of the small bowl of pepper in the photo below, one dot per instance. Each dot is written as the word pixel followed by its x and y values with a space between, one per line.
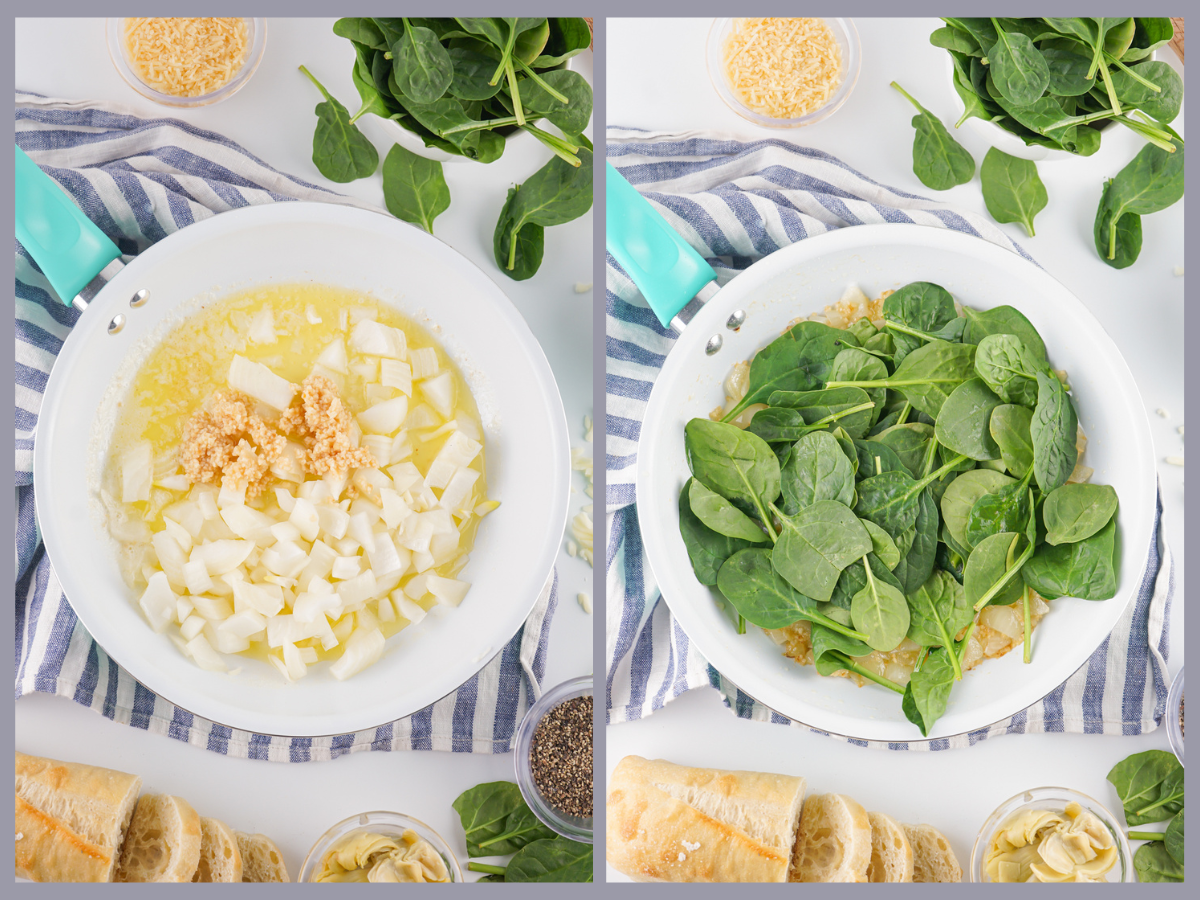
pixel 1175 716
pixel 554 759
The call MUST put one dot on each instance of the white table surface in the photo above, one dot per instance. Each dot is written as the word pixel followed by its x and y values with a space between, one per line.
pixel 1142 307
pixel 272 117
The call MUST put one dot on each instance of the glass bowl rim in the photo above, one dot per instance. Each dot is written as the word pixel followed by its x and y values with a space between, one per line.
pixel 387 819
pixel 1174 732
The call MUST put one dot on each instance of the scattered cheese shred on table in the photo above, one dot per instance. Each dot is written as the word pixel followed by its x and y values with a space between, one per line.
pixel 185 57
pixel 783 68
pixel 580 541
pixel 585 602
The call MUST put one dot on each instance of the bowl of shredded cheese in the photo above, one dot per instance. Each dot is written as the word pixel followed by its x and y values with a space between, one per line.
pixel 186 62
pixel 783 72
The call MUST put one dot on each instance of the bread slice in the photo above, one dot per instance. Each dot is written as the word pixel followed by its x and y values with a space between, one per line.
pixel 261 859
pixel 70 819
pixel 675 823
pixel 163 843
pixel 933 858
pixel 891 853
pixel 834 841
pixel 220 858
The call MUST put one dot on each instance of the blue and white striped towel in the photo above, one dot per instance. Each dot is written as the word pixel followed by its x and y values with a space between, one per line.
pixel 735 202
pixel 140 180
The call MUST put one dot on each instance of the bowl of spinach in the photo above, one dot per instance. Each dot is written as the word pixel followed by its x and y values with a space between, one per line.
pixel 914 472
pixel 1051 88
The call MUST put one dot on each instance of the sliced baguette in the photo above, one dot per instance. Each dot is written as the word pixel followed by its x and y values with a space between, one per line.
pixel 675 823
pixel 933 858
pixel 220 858
pixel 834 841
pixel 891 852
pixel 70 819
pixel 261 859
pixel 163 842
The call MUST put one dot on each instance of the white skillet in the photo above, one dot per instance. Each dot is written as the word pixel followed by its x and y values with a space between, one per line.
pixel 526 447
pixel 801 279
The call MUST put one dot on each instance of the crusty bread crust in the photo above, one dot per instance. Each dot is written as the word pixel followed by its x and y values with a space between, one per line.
pixel 70 819
pixel 891 852
pixel 833 843
pixel 674 823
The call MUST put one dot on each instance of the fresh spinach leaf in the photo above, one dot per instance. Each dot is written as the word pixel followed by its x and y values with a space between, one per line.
pixel 1153 863
pixel 1151 182
pixel 706 549
pixel 556 193
pixel 1053 429
pixel 571 117
pixel 1012 190
pixel 530 241
pixel 471 73
pixel 1143 780
pixel 875 458
pixel 1009 368
pixel 880 612
pixel 722 516
pixel 1074 512
pixel 1020 72
pixel 496 819
pixel 761 596
pixel 938 611
pixel 962 424
pixel 849 407
pixel 553 859
pixel 414 188
pixel 927 375
pixel 566 38
pixel 831 650
pixel 1068 66
pixel 911 443
pixel 1009 427
pixel 817 469
pixel 919 558
pixel 1118 239
pixel 1149 34
pixel 856 364
pixel 1003 320
pixel 853 579
pixel 816 544
pixel 882 544
pixel 422 67
pixel 736 464
pixel 1173 838
pixel 1085 569
pixel 921 307
pixel 1005 510
pixel 798 360
pixel 955 39
pixel 990 562
pixel 892 499
pixel 939 161
pixel 340 151
pixel 928 691
pixel 1162 105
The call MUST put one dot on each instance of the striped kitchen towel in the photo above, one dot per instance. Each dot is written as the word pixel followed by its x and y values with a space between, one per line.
pixel 140 180
pixel 735 202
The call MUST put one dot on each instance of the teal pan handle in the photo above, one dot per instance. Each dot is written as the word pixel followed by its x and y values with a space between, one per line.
pixel 65 244
pixel 666 269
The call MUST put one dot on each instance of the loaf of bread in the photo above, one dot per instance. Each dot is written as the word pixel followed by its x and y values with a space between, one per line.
pixel 220 858
pixel 261 859
pixel 891 853
pixel 834 841
pixel 163 843
pixel 70 819
pixel 933 858
pixel 673 823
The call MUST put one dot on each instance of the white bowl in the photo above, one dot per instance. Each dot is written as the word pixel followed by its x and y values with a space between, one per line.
pixel 802 279
pixel 525 440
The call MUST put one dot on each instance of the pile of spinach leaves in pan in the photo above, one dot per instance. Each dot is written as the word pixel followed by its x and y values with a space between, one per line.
pixel 897 481
pixel 462 85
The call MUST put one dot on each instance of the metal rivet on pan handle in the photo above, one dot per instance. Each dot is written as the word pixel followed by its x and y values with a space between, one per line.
pixel 736 320
pixel 139 299
pixel 116 324
pixel 714 344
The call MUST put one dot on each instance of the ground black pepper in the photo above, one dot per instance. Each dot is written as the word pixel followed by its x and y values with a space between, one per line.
pixel 561 757
pixel 1181 734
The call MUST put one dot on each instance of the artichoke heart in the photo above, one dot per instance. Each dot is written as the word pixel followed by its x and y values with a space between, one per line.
pixel 1050 846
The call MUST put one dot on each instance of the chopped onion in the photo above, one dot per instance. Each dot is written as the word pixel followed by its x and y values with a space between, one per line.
pixel 395 510
pixel 191 627
pixel 137 472
pixel 347 546
pixel 285 531
pixel 257 598
pixel 370 482
pixel 196 578
pixel 174 482
pixel 384 559
pixel 199 649
pixel 366 369
pixel 222 556
pixel 375 339
pixel 357 589
pixel 447 590
pixel 224 641
pixel 404 476
pixel 424 362
pixel 158 601
pixel 384 610
pixel 422 560
pixel 285 558
pixel 379 446
pixel 439 391
pixel 246 624
pixel 232 493
pixel 334 356
pixel 289 465
pixel 304 517
pixel 262 328
pixel 249 524
pixel 309 605
pixel 401 448
pixel 206 498
pixel 396 374
pixel 308 655
pixel 183 608
pixel 458 452
pixel 407 608
pixel 177 531
pixel 444 547
pixel 416 534
pixel 170 557
pixel 316 491
pixel 295 665
pixel 458 490
pixel 188 514
pixel 469 428
pixel 215 609
pixel 360 529
pixel 257 381
pixel 416 587
pixel 422 416
pixel 346 567
pixel 385 417
pixel 320 562
pixel 332 521
pixel 362 649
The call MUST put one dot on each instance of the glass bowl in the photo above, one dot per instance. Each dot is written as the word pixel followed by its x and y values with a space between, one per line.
pixel 1055 798
pixel 844 33
pixel 1174 702
pixel 378 822
pixel 256 34
pixel 573 827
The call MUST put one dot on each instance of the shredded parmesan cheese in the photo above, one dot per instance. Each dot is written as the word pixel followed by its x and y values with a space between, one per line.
pixel 783 68
pixel 185 57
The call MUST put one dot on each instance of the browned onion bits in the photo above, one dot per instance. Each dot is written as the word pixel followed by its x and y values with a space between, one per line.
pixel 561 757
